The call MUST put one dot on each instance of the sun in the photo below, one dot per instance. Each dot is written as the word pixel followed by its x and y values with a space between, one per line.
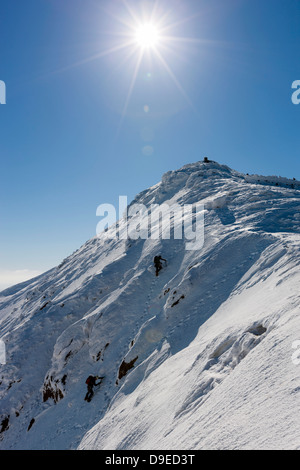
pixel 147 36
pixel 143 38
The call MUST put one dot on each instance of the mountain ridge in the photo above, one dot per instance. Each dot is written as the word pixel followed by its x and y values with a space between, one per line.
pixel 102 310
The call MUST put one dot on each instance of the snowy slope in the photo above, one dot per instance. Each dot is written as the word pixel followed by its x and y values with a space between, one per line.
pixel 199 357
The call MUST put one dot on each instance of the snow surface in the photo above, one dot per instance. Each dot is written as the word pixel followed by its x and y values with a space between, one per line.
pixel 209 341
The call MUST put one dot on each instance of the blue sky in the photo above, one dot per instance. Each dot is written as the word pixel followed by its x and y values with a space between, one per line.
pixel 87 119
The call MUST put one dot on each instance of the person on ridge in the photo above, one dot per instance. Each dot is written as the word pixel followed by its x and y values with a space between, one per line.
pixel 157 263
pixel 91 383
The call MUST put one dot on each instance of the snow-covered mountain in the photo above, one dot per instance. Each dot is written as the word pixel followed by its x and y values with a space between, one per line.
pixel 199 357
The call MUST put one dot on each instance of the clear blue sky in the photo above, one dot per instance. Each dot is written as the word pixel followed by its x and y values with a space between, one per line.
pixel 80 127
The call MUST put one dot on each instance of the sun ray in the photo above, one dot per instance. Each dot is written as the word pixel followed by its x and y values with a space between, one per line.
pixel 178 23
pixel 133 80
pixel 131 87
pixel 135 18
pixel 95 57
pixel 204 42
pixel 153 13
pixel 175 80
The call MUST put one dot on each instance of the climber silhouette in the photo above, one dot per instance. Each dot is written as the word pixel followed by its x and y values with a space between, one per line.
pixel 157 263
pixel 91 383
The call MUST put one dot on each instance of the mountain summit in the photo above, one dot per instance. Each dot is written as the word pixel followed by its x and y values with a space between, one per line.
pixel 198 357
